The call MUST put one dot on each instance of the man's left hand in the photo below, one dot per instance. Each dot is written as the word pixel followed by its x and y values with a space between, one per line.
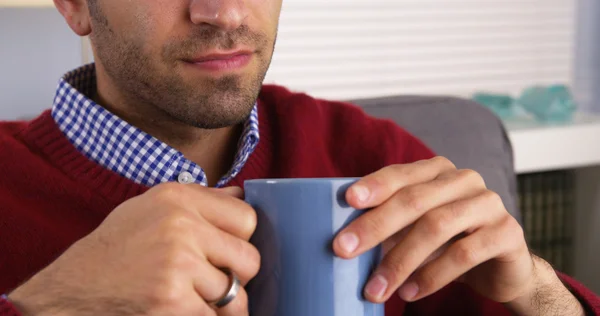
pixel 438 224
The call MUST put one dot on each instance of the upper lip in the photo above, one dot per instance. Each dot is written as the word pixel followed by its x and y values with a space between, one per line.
pixel 219 56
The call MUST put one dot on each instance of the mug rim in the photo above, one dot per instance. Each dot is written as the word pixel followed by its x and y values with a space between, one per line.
pixel 298 180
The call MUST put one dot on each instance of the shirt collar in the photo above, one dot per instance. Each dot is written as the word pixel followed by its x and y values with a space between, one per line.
pixel 120 147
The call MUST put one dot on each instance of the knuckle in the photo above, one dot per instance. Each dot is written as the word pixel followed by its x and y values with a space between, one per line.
pixel 173 238
pixel 412 199
pixel 464 254
pixel 167 293
pixel 167 236
pixel 372 225
pixel 434 225
pixel 393 173
pixel 404 171
pixel 175 224
pixel 179 258
pixel 170 296
pixel 389 174
pixel 396 168
pixel 513 228
pixel 452 212
pixel 444 162
pixel 471 176
pixel 176 257
pixel 493 199
pixel 168 193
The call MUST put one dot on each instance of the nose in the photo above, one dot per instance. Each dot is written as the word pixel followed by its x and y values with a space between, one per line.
pixel 227 15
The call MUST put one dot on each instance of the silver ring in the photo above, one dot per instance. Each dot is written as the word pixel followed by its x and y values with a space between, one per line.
pixel 234 288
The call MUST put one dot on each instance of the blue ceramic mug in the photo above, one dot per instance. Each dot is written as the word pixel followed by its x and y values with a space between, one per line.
pixel 300 275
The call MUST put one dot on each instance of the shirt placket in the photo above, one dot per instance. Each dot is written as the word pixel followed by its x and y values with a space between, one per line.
pixel 186 172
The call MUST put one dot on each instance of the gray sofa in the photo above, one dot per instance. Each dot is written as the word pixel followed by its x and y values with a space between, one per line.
pixel 463 131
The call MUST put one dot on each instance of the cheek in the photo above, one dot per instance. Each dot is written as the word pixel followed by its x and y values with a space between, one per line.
pixel 149 34
pixel 271 7
pixel 267 13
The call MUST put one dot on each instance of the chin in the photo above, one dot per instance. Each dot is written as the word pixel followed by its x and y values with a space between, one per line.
pixel 211 103
pixel 213 115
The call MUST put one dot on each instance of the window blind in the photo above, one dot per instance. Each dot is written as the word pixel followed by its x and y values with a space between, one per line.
pixel 587 56
pixel 345 49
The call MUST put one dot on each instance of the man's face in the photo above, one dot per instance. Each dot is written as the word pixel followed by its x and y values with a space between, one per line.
pixel 202 62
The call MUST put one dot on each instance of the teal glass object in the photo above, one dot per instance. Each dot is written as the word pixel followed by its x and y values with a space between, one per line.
pixel 501 104
pixel 549 104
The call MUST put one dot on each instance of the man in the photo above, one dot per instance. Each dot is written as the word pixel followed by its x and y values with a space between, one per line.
pixel 125 198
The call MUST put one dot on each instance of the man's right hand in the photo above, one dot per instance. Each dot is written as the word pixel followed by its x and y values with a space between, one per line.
pixel 156 254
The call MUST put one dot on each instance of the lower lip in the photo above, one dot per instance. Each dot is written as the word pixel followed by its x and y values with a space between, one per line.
pixel 219 65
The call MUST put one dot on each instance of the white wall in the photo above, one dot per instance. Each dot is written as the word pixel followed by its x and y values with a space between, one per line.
pixel 36 49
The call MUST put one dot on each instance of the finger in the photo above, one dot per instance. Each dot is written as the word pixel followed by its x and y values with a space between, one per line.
pixel 461 257
pixel 403 209
pixel 377 187
pixel 429 234
pixel 229 212
pixel 224 250
pixel 210 283
pixel 235 192
pixel 237 307
pixel 218 207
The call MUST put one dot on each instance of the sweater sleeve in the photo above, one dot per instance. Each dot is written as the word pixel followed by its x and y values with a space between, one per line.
pixel 7 308
pixel 589 300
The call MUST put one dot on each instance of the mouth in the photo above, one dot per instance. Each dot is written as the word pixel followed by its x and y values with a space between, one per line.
pixel 221 61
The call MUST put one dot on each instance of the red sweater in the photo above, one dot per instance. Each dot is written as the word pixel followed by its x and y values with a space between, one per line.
pixel 51 195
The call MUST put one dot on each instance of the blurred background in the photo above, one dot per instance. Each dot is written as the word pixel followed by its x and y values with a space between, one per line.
pixel 357 49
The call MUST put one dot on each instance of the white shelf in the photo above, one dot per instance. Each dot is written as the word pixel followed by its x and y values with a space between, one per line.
pixel 26 3
pixel 543 147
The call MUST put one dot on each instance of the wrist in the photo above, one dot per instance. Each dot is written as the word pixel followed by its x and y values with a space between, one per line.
pixel 546 295
pixel 26 306
pixel 30 299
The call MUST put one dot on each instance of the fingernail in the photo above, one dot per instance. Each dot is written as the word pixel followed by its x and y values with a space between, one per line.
pixel 361 192
pixel 408 291
pixel 348 242
pixel 377 286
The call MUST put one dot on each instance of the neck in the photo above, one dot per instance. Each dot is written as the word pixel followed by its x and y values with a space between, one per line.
pixel 212 149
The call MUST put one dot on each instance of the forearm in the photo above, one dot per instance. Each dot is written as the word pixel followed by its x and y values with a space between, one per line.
pixel 548 297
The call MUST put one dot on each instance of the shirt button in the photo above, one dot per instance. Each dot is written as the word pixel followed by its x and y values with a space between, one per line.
pixel 185 178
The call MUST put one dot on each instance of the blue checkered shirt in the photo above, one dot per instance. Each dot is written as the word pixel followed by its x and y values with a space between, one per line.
pixel 118 146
